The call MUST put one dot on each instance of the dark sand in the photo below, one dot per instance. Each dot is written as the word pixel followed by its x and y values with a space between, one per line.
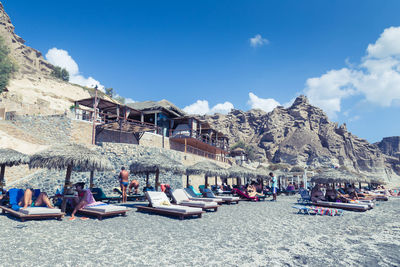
pixel 248 234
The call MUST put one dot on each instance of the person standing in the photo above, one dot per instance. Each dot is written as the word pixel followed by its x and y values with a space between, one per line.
pixel 124 182
pixel 274 186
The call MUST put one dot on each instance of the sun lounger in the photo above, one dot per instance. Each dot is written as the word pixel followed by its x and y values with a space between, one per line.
pixel 198 194
pixel 343 206
pixel 314 210
pixel 181 198
pixel 192 196
pixel 159 203
pixel 130 197
pixel 227 200
pixel 101 210
pixel 30 213
pixel 305 197
pixel 243 196
pixel 99 195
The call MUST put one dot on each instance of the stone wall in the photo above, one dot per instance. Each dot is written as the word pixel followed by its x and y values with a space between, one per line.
pixel 51 129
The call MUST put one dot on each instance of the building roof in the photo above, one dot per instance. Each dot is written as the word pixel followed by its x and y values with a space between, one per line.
pixel 163 105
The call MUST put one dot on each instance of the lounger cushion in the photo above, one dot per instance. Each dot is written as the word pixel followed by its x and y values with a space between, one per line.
pixel 106 208
pixel 201 204
pixel 179 195
pixel 39 211
pixel 156 198
pixel 344 205
pixel 183 209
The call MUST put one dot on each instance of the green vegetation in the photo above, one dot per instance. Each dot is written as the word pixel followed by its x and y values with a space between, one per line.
pixel 7 65
pixel 250 150
pixel 297 169
pixel 60 73
pixel 110 92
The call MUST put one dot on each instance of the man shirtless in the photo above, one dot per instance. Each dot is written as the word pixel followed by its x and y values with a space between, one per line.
pixel 124 182
pixel 135 185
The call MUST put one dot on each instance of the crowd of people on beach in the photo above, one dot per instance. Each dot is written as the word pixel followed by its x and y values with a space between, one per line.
pixel 347 193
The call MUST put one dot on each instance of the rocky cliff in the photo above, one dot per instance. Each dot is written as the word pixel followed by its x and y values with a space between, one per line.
pixel 33 90
pixel 390 146
pixel 303 135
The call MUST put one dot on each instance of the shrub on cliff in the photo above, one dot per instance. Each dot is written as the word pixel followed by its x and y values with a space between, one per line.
pixel 60 73
pixel 7 65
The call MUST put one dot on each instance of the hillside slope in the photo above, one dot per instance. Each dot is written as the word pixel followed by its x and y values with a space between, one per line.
pixel 33 90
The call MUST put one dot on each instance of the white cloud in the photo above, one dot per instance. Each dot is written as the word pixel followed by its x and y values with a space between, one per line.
pixel 376 78
pixel 201 107
pixel 129 100
pixel 258 40
pixel 61 58
pixel 265 104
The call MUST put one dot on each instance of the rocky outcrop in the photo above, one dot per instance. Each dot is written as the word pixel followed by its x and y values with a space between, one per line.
pixel 390 146
pixel 30 61
pixel 302 135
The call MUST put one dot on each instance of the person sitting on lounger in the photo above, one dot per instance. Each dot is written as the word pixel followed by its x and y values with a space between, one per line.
pixel 29 200
pixel 134 184
pixel 251 191
pixel 351 192
pixel 83 199
pixel 317 194
pixel 330 194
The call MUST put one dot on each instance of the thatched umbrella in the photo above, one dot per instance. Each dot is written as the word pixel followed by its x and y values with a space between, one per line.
pixel 68 156
pixel 334 176
pixel 9 158
pixel 237 172
pixel 206 167
pixel 156 163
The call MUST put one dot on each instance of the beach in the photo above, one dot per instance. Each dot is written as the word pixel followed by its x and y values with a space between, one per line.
pixel 249 234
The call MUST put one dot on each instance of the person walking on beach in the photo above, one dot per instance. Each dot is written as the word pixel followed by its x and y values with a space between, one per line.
pixel 123 182
pixel 274 186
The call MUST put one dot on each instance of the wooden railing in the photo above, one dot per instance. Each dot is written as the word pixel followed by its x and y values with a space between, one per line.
pixel 197 135
pixel 105 118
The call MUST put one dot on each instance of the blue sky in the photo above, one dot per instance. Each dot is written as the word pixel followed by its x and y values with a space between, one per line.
pixel 198 54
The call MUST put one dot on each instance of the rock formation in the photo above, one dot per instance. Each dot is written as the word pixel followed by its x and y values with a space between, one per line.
pixel 390 146
pixel 33 90
pixel 302 135
pixel 30 61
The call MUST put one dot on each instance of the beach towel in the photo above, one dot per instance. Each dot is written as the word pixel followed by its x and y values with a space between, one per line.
pixel 194 191
pixel 243 194
pixel 15 195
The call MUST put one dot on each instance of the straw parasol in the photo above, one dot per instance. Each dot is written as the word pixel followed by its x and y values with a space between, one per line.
pixel 334 176
pixel 67 156
pixel 206 167
pixel 155 163
pixel 9 158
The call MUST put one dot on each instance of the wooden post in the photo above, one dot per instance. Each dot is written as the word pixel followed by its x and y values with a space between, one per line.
pixel 187 181
pixel 2 180
pixel 216 180
pixel 67 186
pixel 157 177
pixel 91 185
pixel 205 181
pixel 147 179
pixel 94 117
pixel 185 145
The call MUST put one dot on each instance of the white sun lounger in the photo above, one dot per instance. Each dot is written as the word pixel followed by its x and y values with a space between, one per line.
pixel 181 198
pixel 159 203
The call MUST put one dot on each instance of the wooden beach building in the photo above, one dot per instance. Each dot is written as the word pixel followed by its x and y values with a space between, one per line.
pixel 162 121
